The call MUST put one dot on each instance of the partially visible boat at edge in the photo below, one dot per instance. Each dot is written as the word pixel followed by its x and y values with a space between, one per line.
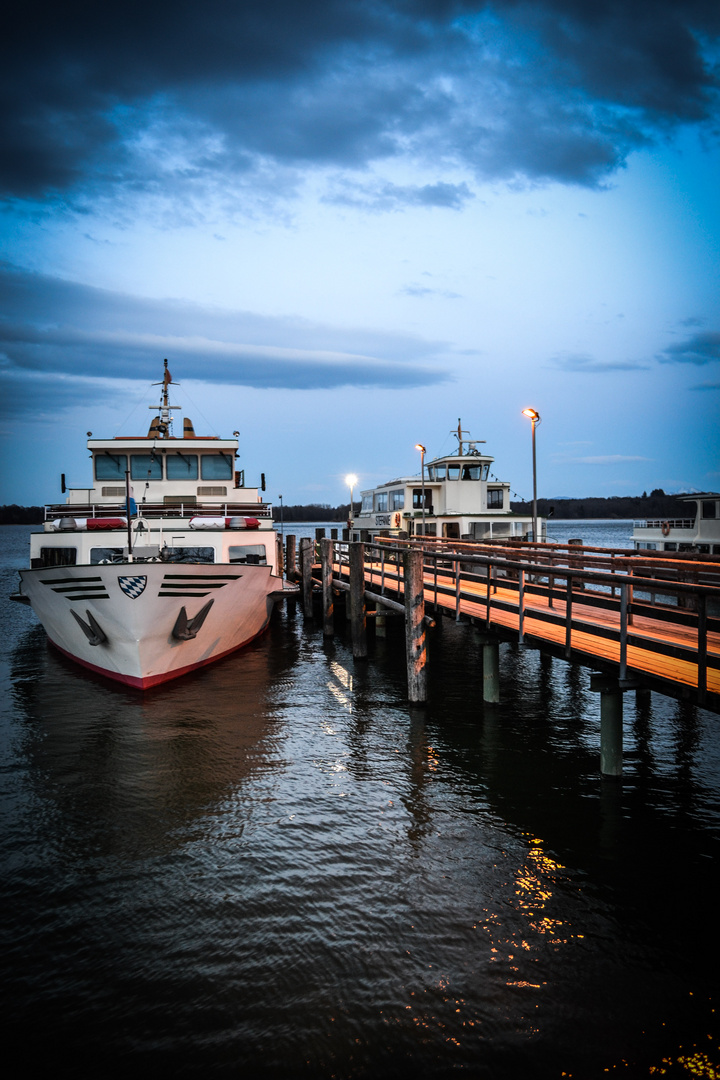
pixel 698 531
pixel 165 564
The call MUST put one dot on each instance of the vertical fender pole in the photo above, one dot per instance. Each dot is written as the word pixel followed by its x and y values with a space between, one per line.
pixel 611 724
pixel 358 617
pixel 416 645
pixel 326 562
pixel 280 556
pixel 306 559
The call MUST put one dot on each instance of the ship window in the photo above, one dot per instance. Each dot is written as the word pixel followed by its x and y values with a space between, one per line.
pixel 471 472
pixel 495 498
pixel 58 556
pixel 366 507
pixel 381 502
pixel 671 547
pixel 145 467
pixel 440 472
pixel 188 554
pixel 709 508
pixel 105 555
pixel 418 499
pixel 251 554
pixel 110 466
pixel 453 472
pixel 181 466
pixel 216 467
pixel 397 499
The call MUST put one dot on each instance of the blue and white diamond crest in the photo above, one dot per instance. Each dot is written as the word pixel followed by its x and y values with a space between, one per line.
pixel 132 586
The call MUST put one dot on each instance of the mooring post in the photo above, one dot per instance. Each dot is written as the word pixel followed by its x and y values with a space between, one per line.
pixel 280 556
pixel 358 617
pixel 290 562
pixel 611 724
pixel 326 563
pixel 306 561
pixel 416 646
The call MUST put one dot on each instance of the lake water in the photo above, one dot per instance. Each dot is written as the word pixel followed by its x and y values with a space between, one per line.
pixel 278 868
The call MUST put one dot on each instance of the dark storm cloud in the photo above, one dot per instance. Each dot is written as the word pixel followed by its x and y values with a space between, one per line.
pixel 95 94
pixel 701 348
pixel 76 332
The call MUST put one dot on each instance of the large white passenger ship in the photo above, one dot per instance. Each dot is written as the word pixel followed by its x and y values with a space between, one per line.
pixel 456 498
pixel 698 531
pixel 164 564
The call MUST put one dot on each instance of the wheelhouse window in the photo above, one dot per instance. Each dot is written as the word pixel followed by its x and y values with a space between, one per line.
pixel 181 466
pixel 495 498
pixel 709 508
pixel 216 466
pixel 145 467
pixel 471 472
pixel 397 499
pixel 453 472
pixel 381 502
pixel 110 466
pixel 367 504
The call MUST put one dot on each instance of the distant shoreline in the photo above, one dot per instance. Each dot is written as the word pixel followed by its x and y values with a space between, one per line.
pixel 656 505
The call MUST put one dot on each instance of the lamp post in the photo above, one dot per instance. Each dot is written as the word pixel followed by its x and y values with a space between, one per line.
pixel 282 531
pixel 351 479
pixel 421 448
pixel 535 419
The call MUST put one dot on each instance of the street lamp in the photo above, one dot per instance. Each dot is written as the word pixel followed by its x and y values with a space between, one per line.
pixel 535 418
pixel 282 531
pixel 421 448
pixel 351 480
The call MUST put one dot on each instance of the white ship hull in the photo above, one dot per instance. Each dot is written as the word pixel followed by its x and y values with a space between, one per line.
pixel 126 621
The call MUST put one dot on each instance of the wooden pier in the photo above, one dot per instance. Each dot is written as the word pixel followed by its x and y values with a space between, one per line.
pixel 640 621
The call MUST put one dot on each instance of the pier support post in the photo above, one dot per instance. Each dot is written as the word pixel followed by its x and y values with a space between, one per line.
pixel 290 562
pixel 380 622
pixel 358 618
pixel 611 724
pixel 326 562
pixel 306 561
pixel 416 645
pixel 491 671
pixel 280 556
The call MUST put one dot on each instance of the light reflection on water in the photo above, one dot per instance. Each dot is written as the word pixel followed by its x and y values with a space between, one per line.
pixel 279 866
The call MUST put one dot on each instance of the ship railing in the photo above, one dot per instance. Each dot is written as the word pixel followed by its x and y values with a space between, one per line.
pixel 158 510
pixel 673 523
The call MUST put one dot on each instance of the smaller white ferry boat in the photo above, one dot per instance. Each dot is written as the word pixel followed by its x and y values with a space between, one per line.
pixel 698 531
pixel 455 498
pixel 167 562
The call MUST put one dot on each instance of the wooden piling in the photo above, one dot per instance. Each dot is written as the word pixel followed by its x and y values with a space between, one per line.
pixel 358 621
pixel 416 646
pixel 326 563
pixel 306 560
pixel 280 555
pixel 491 671
pixel 290 561
pixel 611 732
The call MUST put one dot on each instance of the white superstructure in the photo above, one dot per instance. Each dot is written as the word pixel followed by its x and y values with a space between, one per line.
pixel 164 564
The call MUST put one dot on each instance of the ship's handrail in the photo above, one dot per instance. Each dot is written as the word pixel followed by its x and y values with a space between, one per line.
pixel 159 510
pixel 673 523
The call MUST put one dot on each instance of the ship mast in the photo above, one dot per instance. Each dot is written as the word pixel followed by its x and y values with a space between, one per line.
pixel 165 419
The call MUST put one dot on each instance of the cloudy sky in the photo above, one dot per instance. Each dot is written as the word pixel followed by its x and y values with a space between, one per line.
pixel 348 223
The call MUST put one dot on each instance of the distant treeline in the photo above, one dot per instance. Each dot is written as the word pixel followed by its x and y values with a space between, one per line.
pixel 21 515
pixel 655 505
pixel 315 512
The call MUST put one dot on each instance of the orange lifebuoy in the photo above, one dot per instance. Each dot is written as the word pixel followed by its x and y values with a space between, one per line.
pixel 665 528
pixel 396 521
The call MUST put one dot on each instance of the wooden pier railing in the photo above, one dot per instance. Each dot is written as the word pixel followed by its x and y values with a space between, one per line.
pixel 639 621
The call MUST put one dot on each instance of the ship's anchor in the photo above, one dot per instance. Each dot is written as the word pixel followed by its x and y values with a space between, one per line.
pixel 91 629
pixel 185 629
